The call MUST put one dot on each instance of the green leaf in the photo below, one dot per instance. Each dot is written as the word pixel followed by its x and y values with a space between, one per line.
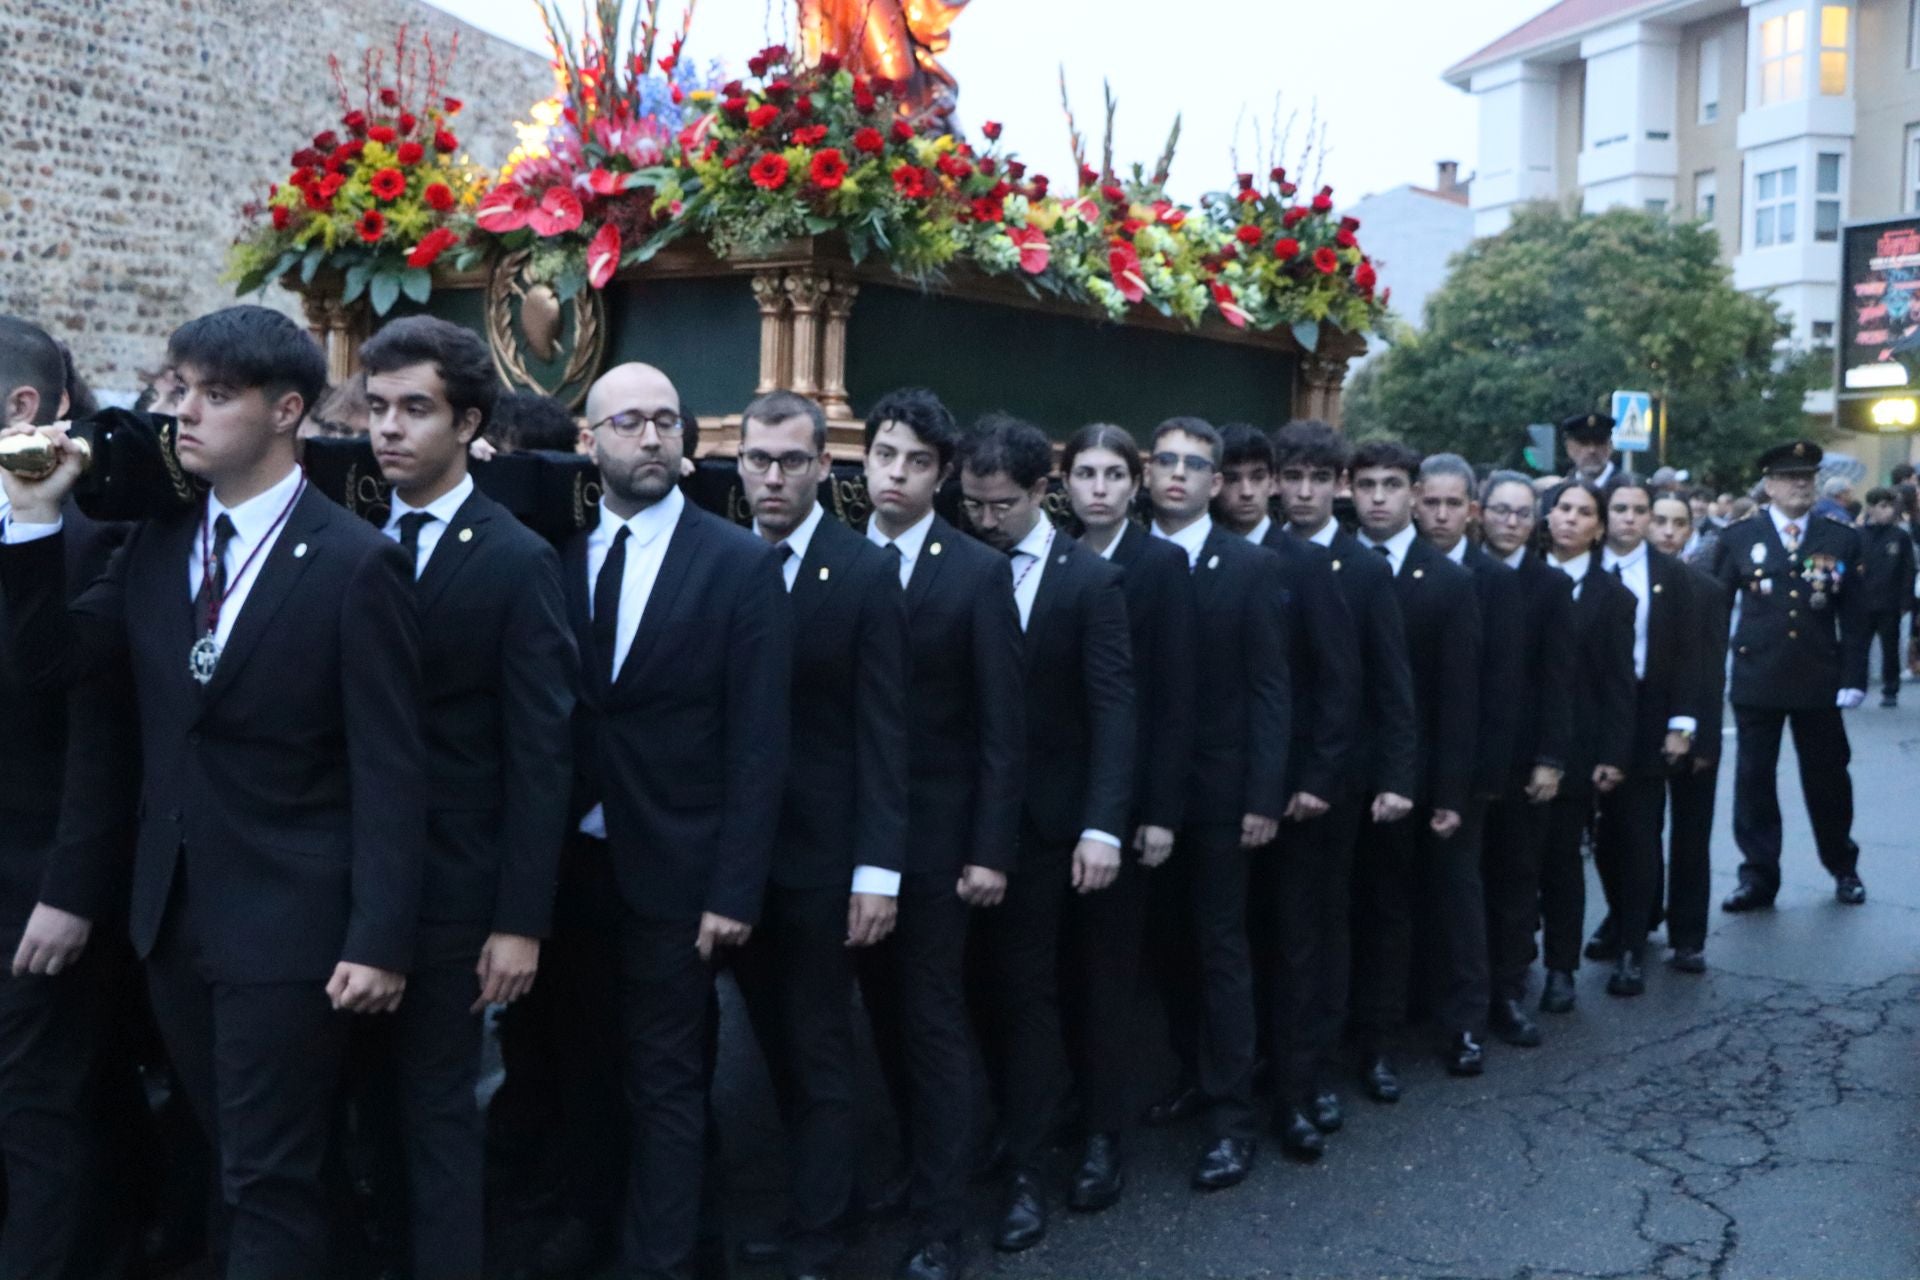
pixel 569 283
pixel 417 283
pixel 283 264
pixel 1307 334
pixel 252 280
pixel 819 224
pixel 468 257
pixel 311 263
pixel 356 281
pixel 384 291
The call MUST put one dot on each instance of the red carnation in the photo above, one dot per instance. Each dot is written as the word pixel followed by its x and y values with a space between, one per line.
pixel 1365 276
pixel 734 106
pixel 954 167
pixel 389 184
pixel 1286 248
pixel 407 122
pixel 762 116
pixel 1293 217
pixel 372 226
pixel 451 106
pixel 1325 260
pixel 902 131
pixel 810 135
pixel 828 170
pixel 829 63
pixel 868 140
pixel 281 217
pixel 992 129
pixel 1322 202
pixel 1249 235
pixel 444 142
pixel 987 209
pixel 769 172
pixel 1344 239
pixel 439 197
pixel 910 180
pixel 431 246
pixel 410 152
pixel 381 133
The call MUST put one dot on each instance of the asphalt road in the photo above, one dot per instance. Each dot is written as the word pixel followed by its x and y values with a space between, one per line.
pixel 1761 1120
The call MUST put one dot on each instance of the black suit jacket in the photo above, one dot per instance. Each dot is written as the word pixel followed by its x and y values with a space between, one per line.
pixel 1543 642
pixel 1244 705
pixel 967 719
pixel 1670 685
pixel 1603 683
pixel 290 788
pixel 1160 622
pixel 1078 665
pixel 1324 662
pixel 1886 554
pixel 1440 608
pixel 687 746
pixel 1385 755
pixel 1712 614
pixel 846 797
pixel 498 671
pixel 1503 638
pixel 1786 653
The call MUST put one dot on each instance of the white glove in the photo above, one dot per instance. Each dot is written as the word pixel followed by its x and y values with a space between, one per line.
pixel 1848 699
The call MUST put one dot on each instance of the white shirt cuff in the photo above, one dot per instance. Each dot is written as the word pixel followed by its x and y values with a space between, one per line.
pixel 1683 724
pixel 595 823
pixel 876 880
pixel 1101 836
pixel 20 531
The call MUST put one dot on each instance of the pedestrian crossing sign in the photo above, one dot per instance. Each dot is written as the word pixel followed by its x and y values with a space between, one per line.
pixel 1633 421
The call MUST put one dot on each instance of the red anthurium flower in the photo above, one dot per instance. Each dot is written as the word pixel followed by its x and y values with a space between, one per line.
pixel 992 129
pixel 281 217
pixel 444 142
pixel 389 184
pixel 1293 217
pixel 910 180
pixel 828 170
pixel 603 255
pixel 605 182
pixel 381 133
pixel 1325 260
pixel 1344 238
pixel 1229 305
pixel 762 116
pixel 1035 251
pixel 1365 276
pixel 1322 203
pixel 439 197
pixel 431 246
pixel 810 135
pixel 410 152
pixel 769 172
pixel 372 226
pixel 1123 262
pixel 869 141
pixel 1249 235
pixel 1286 248
pixel 902 131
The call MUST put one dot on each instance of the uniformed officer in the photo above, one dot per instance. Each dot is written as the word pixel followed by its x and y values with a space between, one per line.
pixel 1588 439
pixel 1799 656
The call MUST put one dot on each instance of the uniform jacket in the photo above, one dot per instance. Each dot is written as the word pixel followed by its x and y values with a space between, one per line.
pixel 1603 680
pixel 1244 705
pixel 1671 684
pixel 1886 554
pixel 1787 653
pixel 1385 754
pixel 1503 712
pixel 1160 624
pixel 1543 694
pixel 1324 666
pixel 1439 607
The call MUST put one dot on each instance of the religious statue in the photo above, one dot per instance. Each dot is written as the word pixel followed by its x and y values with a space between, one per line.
pixel 898 39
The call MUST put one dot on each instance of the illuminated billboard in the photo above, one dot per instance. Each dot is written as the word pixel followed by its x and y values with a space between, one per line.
pixel 1879 355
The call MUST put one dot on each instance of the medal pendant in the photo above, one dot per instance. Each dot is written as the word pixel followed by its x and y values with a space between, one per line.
pixel 203 658
pixel 1818 600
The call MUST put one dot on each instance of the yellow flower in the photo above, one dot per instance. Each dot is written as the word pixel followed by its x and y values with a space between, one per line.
pixel 702 95
pixel 1045 214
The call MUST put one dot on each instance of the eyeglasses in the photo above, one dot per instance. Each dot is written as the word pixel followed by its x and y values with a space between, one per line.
pixel 631 422
pixel 1171 461
pixel 759 461
pixel 1000 507
pixel 1500 511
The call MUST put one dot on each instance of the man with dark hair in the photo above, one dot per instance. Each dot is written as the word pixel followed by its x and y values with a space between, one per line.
pixel 966 746
pixel 681 733
pixel 1311 462
pixel 33 371
pixel 1079 783
pixel 1887 555
pixel 498 670
pixel 1442 620
pixel 841 842
pixel 282 831
pixel 527 420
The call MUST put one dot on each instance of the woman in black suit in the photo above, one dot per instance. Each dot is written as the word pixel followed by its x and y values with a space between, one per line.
pixel 1603 707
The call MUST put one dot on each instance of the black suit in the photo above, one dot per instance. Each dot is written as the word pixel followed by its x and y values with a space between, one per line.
pixel 845 807
pixel 1441 616
pixel 1790 660
pixel 1079 695
pixel 1887 553
pixel 682 746
pixel 966 744
pixel 282 824
pixel 1691 789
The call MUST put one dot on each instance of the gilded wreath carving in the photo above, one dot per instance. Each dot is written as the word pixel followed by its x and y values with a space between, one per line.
pixel 533 309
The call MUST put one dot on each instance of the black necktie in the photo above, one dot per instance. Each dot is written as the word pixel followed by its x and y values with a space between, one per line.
pixel 410 526
pixel 1620 572
pixel 606 601
pixel 214 585
pixel 1385 550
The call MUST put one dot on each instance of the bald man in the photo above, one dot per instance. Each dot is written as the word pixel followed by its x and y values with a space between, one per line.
pixel 681 753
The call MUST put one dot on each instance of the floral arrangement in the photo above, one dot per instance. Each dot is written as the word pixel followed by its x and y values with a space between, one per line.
pixel 379 198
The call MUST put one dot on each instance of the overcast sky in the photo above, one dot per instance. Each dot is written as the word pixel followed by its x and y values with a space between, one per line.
pixel 1372 68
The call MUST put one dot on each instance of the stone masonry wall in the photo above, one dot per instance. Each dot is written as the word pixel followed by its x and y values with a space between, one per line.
pixel 132 132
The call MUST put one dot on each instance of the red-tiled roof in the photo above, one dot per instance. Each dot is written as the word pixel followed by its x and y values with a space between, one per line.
pixel 1562 19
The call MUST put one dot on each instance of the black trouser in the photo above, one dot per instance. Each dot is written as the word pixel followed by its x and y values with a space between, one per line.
pixel 1886 625
pixel 1563 880
pixel 1446 881
pixel 1383 927
pixel 1626 854
pixel 1333 960
pixel 1206 969
pixel 1689 862
pixel 1013 989
pixel 261 1065
pixel 914 992
pixel 796 977
pixel 1284 933
pixel 1820 742
pixel 1099 976
pixel 1510 859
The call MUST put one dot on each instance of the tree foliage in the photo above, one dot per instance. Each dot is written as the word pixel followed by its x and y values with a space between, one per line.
pixel 1551 316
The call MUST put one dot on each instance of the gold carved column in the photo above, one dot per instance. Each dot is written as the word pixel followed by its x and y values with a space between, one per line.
pixel 803 344
pixel 339 328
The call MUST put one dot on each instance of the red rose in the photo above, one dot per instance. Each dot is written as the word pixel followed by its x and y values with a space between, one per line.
pixel 1286 248
pixel 803 104
pixel 678 95
pixel 1349 224
pixel 389 184
pixel 444 142
pixel 281 217
pixel 407 122
pixel 389 98
pixel 431 246
pixel 1325 260
pixel 439 197
pixel 316 199
pixel 1016 170
pixel 1113 194
pixel 756 65
pixel 762 116
pixel 988 210
pixel 451 106
pixel 986 166
pixel 331 184
pixel 1249 235
pixel 380 133
pixel 775 54
pixel 306 158
pixel 1039 185
pixel 992 129
pixel 810 135
pixel 779 89
pixel 910 180
pixel 1322 203
pixel 902 131
pixel 1344 239
pixel 735 106
pixel 863 100
pixel 326 141
pixel 828 170
pixel 829 63
pixel 868 140
pixel 1279 174
pixel 954 167
pixel 410 152
pixel 371 226
pixel 1246 181
pixel 356 121
pixel 1293 217
pixel 769 172
pixel 732 89
pixel 1365 276
pixel 1088 177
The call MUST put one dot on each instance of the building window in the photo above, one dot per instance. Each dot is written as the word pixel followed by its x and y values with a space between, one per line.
pixel 1705 189
pixel 1826 204
pixel 1834 21
pixel 1656 206
pixel 1823 332
pixel 1774 206
pixel 1783 44
pixel 1710 78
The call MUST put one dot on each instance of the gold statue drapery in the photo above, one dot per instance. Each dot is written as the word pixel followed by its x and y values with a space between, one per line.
pixel 898 39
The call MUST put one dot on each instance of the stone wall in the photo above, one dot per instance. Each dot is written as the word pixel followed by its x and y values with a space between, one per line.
pixel 132 132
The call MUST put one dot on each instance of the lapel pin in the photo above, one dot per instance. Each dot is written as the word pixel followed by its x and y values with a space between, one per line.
pixel 300 551
pixel 1336 566
pixel 1656 588
pixel 1213 562
pixel 934 550
pixel 823 573
pixel 466 535
pixel 1062 559
pixel 1419 573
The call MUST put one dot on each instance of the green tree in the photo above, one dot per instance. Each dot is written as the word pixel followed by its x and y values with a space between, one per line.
pixel 1552 315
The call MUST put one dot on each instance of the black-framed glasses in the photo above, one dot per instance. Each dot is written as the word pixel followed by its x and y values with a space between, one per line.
pixel 759 461
pixel 1170 461
pixel 632 422
pixel 1500 511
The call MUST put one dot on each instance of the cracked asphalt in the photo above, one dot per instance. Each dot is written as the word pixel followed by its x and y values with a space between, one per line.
pixel 1760 1120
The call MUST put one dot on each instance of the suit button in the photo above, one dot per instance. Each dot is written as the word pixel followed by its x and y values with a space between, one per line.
pixel 1793 635
pixel 1794 594
pixel 1743 648
pixel 1793 613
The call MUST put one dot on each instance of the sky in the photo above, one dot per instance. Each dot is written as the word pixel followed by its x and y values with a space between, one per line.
pixel 1370 69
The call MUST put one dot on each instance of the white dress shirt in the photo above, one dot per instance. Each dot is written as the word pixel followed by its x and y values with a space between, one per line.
pixel 1513 561
pixel 1575 568
pixel 1321 537
pixel 648 536
pixel 442 509
pixel 1258 534
pixel 911 543
pixel 1030 565
pixel 1459 553
pixel 1113 545
pixel 1634 572
pixel 1780 523
pixel 1396 546
pixel 1191 539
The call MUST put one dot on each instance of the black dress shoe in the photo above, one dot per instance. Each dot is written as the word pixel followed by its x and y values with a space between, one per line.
pixel 1463 1055
pixel 934 1260
pixel 1224 1164
pixel 1377 1076
pixel 1603 945
pixel 1326 1111
pixel 1510 1022
pixel 1747 897
pixel 1889 699
pixel 1097 1184
pixel 1299 1137
pixel 1687 960
pixel 1626 979
pixel 1185 1102
pixel 890 1197
pixel 1557 995
pixel 1848 889
pixel 769 1251
pixel 1023 1219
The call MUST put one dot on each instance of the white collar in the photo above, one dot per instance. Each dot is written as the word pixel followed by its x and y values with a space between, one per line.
pixel 909 542
pixel 1780 522
pixel 1037 540
pixel 1396 545
pixel 443 508
pixel 1190 539
pixel 1513 561
pixel 648 524
pixel 1459 553
pixel 1113 543
pixel 253 518
pixel 1258 534
pixel 1632 560
pixel 802 536
pixel 1575 568
pixel 1321 537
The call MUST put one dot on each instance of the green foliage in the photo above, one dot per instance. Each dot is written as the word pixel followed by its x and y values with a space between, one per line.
pixel 1551 316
